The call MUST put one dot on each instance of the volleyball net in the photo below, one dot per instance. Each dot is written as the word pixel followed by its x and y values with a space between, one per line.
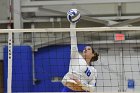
pixel 35 60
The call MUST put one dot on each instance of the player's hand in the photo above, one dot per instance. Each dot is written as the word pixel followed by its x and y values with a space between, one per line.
pixel 78 82
pixel 74 87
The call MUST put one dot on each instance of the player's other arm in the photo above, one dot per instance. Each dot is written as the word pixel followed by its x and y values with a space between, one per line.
pixel 74 86
pixel 89 87
pixel 92 84
pixel 70 83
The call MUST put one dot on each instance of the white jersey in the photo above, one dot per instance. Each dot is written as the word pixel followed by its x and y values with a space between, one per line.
pixel 81 70
pixel 78 68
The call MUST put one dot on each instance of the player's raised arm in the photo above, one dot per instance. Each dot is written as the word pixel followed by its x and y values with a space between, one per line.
pixel 74 49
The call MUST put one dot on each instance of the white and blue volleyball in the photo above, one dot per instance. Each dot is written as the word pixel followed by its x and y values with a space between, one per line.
pixel 73 15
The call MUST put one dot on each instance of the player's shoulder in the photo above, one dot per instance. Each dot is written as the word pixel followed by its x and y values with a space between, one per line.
pixel 93 68
pixel 95 71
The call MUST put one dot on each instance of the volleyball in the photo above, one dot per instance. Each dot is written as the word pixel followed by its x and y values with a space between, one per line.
pixel 73 15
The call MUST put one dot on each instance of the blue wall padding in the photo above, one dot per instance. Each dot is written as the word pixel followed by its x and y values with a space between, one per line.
pixel 50 62
pixel 22 68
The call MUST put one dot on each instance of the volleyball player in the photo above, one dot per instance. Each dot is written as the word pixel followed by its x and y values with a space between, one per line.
pixel 81 75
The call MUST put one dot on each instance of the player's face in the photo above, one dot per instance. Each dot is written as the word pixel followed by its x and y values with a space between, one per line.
pixel 87 52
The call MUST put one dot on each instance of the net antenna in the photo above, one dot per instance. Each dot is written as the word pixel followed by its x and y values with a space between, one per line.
pixel 10 56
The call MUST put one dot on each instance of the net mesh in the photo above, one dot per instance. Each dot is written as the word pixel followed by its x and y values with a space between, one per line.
pixel 42 57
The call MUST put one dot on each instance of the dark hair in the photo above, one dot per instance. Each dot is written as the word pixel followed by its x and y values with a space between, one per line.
pixel 95 57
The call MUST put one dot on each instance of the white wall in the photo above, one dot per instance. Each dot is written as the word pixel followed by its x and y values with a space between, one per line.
pixel 115 68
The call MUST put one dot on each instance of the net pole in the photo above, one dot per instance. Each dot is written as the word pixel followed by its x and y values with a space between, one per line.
pixel 9 76
pixel 33 62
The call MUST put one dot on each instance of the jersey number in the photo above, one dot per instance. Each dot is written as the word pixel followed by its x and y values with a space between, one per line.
pixel 87 72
